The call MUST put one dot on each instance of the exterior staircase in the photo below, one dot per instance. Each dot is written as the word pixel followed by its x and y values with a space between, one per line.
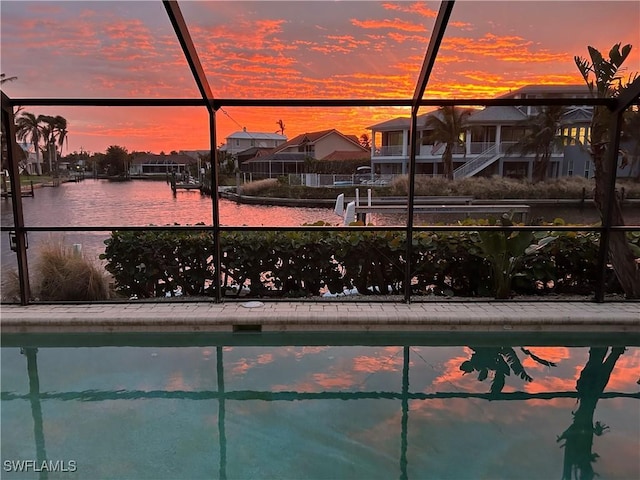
pixel 478 163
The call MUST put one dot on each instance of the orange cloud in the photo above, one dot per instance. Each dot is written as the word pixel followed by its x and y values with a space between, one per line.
pixel 417 8
pixel 330 381
pixel 511 48
pixel 387 24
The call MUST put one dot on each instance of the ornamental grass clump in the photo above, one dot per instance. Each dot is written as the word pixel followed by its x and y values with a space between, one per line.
pixel 254 188
pixel 63 274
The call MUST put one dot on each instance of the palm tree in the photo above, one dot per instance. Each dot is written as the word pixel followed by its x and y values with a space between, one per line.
pixel 55 133
pixel 447 126
pixel 606 83
pixel 28 128
pixel 542 139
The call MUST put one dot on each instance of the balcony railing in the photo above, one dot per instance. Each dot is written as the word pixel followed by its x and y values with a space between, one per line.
pixel 388 151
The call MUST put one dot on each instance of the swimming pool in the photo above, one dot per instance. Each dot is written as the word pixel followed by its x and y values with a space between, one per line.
pixel 255 406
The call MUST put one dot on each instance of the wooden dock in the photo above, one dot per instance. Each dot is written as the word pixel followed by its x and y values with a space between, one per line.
pixel 519 209
pixel 25 191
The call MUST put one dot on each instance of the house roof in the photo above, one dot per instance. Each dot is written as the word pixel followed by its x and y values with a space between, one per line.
pixel 397 123
pixel 314 137
pixel 171 159
pixel 531 91
pixel 254 151
pixel 284 157
pixel 256 136
pixel 498 115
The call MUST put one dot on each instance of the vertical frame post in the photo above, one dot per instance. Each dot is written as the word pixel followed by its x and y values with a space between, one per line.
pixel 16 199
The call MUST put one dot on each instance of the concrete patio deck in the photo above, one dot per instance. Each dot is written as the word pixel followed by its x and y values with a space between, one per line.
pixel 351 316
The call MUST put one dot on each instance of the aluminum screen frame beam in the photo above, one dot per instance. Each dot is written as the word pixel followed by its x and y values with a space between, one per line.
pixel 16 199
pixel 440 26
pixel 191 55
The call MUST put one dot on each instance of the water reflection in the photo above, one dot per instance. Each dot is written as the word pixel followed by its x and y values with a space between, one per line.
pixel 578 438
pixel 382 432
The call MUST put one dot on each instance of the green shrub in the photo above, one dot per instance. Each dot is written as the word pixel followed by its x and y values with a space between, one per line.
pixel 294 264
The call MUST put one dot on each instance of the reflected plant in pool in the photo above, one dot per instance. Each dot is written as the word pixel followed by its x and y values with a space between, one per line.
pixel 501 361
pixel 159 406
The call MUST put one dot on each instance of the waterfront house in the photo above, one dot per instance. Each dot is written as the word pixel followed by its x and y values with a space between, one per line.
pixel 487 147
pixel 29 162
pixel 290 157
pixel 150 164
pixel 238 142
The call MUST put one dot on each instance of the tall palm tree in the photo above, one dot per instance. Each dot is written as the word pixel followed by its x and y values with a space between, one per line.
pixel 542 139
pixel 447 126
pixel 54 134
pixel 602 77
pixel 28 128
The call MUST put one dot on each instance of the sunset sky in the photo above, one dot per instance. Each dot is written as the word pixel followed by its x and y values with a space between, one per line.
pixel 304 49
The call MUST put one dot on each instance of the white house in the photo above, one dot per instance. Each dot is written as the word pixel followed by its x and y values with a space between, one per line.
pixel 29 164
pixel 240 141
pixel 491 133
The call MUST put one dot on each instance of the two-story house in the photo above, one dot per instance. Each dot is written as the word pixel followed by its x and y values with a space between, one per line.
pixel 487 144
pixel 240 141
pixel 290 157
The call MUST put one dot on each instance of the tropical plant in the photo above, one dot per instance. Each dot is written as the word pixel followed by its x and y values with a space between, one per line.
pixel 116 161
pixel 55 134
pixel 602 77
pixel 506 252
pixel 447 126
pixel 542 138
pixel 29 128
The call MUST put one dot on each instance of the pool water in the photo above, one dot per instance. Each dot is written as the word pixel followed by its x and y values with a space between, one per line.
pixel 249 406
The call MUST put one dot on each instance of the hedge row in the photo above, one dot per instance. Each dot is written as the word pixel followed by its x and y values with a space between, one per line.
pixel 296 264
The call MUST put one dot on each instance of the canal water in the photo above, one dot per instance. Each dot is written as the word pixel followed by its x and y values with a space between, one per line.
pixel 140 203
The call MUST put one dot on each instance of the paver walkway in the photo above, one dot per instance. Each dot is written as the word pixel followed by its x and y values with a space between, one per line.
pixel 323 316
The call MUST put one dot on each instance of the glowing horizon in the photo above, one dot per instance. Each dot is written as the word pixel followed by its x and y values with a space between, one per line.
pixel 287 50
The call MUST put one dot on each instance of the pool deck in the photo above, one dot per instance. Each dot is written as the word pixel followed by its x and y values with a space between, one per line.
pixel 351 316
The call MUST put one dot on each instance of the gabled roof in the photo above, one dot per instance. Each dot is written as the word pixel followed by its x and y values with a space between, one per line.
pixel 256 136
pixel 402 123
pixel 498 115
pixel 578 115
pixel 254 151
pixel 397 123
pixel 311 138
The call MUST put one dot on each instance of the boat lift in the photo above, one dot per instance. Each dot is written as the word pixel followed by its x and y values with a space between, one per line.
pixel 354 211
